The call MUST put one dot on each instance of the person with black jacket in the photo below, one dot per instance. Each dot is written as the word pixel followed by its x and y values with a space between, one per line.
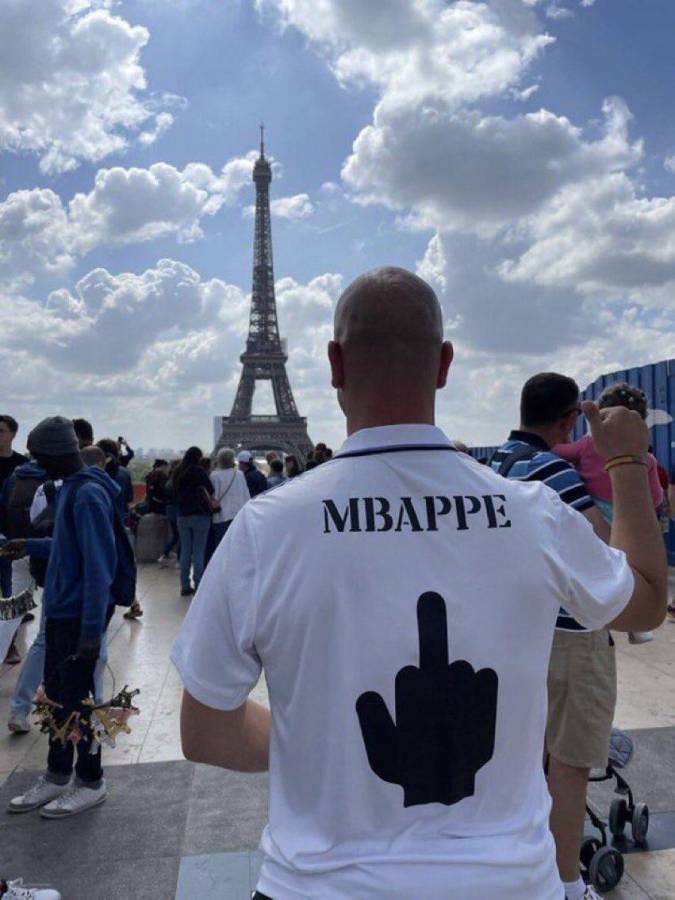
pixel 193 494
pixel 256 481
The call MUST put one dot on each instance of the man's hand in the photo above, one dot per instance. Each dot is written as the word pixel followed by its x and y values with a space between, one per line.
pixel 14 549
pixel 617 431
pixel 445 719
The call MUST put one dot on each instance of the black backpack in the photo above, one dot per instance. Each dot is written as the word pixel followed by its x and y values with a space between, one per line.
pixel 41 527
pixel 20 497
pixel 123 587
pixel 524 452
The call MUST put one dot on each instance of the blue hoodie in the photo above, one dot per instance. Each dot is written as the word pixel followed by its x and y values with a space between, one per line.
pixel 82 554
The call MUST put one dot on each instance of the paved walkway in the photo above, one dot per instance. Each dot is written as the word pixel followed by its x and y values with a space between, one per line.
pixel 172 829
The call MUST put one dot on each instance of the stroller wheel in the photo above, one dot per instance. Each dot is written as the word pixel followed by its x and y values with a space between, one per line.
pixel 618 816
pixel 589 847
pixel 640 823
pixel 606 869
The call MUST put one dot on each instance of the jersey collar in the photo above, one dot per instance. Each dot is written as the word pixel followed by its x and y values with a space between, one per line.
pixel 526 437
pixel 387 436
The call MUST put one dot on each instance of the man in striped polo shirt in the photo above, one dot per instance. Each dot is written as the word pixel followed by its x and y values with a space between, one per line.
pixel 582 673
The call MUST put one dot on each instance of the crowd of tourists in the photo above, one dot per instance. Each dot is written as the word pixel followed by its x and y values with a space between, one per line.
pixel 199 496
pixel 431 629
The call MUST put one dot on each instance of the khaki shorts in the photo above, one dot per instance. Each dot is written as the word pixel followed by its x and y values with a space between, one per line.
pixel 581 698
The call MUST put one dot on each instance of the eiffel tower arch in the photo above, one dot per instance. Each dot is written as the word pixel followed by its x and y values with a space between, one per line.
pixel 265 357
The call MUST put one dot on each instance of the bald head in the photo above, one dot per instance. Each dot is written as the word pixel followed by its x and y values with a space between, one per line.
pixel 391 319
pixel 388 345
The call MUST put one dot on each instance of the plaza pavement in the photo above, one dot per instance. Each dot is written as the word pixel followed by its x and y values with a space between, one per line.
pixel 171 829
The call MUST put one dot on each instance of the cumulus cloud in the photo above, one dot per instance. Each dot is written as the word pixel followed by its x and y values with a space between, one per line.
pixel 601 236
pixel 34 238
pixel 40 235
pixel 298 206
pixel 106 324
pixel 415 52
pixel 163 121
pixel 470 172
pixel 433 265
pixel 71 81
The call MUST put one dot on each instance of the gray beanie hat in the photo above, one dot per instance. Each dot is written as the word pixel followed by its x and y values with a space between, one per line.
pixel 54 436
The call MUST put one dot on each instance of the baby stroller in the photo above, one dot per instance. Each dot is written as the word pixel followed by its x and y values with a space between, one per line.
pixel 602 864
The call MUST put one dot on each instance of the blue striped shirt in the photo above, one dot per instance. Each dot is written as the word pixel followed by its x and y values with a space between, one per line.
pixel 557 474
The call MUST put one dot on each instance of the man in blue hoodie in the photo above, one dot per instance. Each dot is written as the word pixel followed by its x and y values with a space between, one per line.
pixel 78 606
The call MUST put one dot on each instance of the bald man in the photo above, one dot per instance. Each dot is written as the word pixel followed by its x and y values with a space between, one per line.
pixel 402 599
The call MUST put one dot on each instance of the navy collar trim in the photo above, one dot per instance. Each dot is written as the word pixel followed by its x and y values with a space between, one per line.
pixel 526 437
pixel 395 448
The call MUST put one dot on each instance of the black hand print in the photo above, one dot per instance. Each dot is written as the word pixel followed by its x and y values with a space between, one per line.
pixel 445 719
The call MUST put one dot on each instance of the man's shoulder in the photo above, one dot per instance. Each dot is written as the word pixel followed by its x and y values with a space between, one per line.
pixel 90 491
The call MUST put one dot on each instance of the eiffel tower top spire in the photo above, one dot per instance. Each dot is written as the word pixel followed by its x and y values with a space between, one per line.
pixel 263 333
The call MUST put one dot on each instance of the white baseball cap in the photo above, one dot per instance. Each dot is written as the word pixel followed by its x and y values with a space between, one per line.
pixel 244 456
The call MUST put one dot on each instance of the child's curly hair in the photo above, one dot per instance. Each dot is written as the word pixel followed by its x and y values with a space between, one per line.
pixel 624 394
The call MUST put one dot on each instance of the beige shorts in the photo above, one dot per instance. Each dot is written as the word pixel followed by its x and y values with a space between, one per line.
pixel 581 698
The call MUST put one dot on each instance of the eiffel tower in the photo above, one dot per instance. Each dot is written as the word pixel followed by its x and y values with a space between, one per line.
pixel 265 356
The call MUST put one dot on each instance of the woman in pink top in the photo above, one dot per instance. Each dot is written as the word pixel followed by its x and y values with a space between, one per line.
pixel 591 466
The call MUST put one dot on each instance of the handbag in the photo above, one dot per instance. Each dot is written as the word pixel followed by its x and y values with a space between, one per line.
pixel 211 506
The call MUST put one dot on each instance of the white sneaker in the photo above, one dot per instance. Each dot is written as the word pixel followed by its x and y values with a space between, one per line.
pixel 77 799
pixel 164 561
pixel 591 894
pixel 18 723
pixel 640 637
pixel 42 792
pixel 17 890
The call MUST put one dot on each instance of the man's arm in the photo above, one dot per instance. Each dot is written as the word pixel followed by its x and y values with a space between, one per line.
pixel 599 523
pixel 635 530
pixel 236 739
pixel 96 540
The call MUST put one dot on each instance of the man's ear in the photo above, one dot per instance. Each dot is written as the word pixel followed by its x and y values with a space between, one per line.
pixel 566 428
pixel 447 355
pixel 336 359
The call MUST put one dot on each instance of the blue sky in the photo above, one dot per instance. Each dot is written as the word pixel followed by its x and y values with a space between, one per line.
pixel 513 151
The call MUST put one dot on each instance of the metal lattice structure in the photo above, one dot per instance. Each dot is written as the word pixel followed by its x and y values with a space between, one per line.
pixel 265 356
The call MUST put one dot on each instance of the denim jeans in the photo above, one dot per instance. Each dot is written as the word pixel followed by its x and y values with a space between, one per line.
pixel 32 673
pixel 194 533
pixel 172 517
pixel 69 681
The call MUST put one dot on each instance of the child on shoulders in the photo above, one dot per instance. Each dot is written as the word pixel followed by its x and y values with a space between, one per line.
pixel 591 466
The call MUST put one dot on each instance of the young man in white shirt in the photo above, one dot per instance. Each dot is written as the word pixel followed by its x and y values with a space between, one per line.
pixel 402 601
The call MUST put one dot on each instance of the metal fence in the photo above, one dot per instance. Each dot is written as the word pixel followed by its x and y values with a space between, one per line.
pixel 657 380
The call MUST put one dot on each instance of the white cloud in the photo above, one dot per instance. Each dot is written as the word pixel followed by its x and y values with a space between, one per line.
pixel 41 236
pixel 71 81
pixel 422 51
pixel 299 206
pixel 33 238
pixel 479 173
pixel 433 265
pixel 554 11
pixel 601 236
pixel 163 121
pixel 669 163
pixel 108 322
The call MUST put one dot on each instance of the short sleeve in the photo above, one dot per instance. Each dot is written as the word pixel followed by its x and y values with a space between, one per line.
pixel 215 651
pixel 597 581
